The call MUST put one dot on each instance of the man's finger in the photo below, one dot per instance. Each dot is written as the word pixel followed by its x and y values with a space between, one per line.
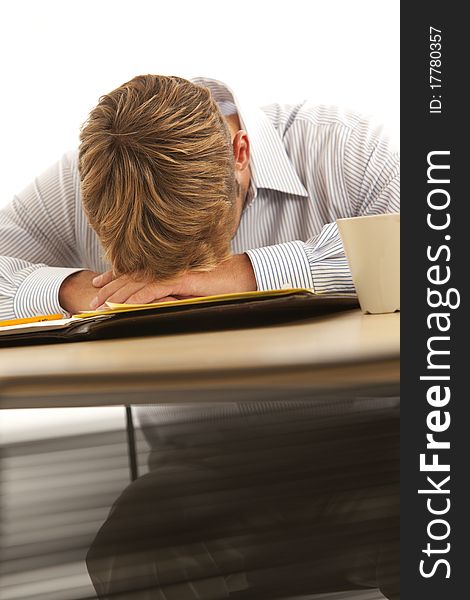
pixel 107 291
pixel 123 294
pixel 146 295
pixel 155 300
pixel 166 299
pixel 103 279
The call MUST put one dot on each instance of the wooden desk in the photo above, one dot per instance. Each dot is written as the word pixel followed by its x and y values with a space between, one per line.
pixel 330 353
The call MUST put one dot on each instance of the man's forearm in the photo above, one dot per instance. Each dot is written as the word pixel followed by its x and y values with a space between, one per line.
pixel 319 264
pixel 233 275
pixel 77 291
pixel 28 289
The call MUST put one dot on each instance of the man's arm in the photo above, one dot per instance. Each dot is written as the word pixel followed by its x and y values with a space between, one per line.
pixel 360 174
pixel 77 291
pixel 233 275
pixel 319 264
pixel 38 250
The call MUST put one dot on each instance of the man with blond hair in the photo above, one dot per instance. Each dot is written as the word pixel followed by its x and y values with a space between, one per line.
pixel 184 202
pixel 179 191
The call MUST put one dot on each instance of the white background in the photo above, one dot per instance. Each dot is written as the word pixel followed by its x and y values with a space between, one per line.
pixel 58 57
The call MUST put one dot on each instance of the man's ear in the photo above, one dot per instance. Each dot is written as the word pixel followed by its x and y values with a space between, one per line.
pixel 241 150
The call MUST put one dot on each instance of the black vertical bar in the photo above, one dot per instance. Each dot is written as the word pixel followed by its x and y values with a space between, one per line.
pixel 434 544
pixel 131 447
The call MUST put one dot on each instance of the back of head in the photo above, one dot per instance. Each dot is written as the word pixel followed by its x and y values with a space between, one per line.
pixel 157 177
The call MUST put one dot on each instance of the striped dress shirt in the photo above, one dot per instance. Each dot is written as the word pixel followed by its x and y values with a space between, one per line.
pixel 309 166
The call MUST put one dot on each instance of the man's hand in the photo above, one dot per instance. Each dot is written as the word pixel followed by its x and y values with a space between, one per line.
pixel 233 275
pixel 77 291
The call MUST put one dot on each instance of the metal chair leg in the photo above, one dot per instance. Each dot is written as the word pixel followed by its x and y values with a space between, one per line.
pixel 131 448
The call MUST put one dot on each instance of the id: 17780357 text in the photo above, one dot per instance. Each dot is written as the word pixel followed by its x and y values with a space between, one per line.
pixel 435 69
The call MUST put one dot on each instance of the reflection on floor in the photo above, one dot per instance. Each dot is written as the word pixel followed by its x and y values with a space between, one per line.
pixel 60 472
pixel 57 486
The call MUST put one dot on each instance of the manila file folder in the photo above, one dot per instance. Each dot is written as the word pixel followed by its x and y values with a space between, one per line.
pixel 227 311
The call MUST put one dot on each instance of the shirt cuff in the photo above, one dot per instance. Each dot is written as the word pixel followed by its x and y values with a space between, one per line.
pixel 332 276
pixel 281 266
pixel 38 293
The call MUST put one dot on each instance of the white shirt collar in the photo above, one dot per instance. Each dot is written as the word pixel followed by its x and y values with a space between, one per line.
pixel 270 164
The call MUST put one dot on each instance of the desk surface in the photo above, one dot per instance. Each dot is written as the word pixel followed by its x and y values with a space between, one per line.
pixel 343 349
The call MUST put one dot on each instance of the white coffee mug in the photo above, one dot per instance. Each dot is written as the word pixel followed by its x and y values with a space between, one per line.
pixel 372 246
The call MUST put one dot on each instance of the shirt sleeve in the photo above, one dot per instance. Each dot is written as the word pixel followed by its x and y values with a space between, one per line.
pixel 318 264
pixel 37 243
pixel 371 171
pixel 367 181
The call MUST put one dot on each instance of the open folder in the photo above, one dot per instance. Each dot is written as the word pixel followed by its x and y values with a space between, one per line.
pixel 225 311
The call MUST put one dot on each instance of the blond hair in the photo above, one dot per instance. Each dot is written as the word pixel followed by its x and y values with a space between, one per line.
pixel 157 177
